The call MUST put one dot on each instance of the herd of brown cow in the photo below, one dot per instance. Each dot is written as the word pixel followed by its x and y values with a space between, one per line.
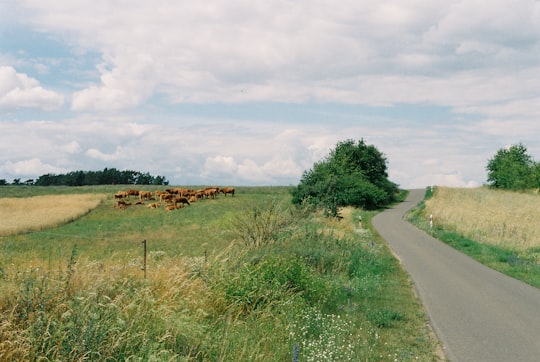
pixel 171 198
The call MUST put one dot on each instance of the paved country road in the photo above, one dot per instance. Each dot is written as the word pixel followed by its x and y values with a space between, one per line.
pixel 477 313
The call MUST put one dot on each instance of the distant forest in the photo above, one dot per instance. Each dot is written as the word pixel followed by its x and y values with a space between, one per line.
pixel 109 176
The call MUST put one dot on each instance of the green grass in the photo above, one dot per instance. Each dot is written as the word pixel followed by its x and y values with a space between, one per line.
pixel 248 278
pixel 509 261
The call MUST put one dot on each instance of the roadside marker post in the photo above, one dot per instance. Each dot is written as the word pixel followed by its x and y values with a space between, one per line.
pixel 144 258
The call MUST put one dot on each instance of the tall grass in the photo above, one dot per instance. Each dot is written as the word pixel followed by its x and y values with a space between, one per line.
pixel 248 278
pixel 497 217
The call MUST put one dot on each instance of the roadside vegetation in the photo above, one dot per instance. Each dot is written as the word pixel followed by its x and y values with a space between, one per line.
pixel 499 228
pixel 244 278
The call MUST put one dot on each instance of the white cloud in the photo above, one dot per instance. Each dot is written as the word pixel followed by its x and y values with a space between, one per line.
pixel 97 154
pixel 30 168
pixel 375 53
pixel 17 90
pixel 71 147
pixel 127 85
pixel 219 166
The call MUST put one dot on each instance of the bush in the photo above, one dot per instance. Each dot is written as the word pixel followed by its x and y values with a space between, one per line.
pixel 353 174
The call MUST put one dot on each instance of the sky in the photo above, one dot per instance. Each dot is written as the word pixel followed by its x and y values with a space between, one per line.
pixel 255 92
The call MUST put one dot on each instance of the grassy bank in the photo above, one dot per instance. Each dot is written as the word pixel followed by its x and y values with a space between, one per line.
pixel 498 228
pixel 244 278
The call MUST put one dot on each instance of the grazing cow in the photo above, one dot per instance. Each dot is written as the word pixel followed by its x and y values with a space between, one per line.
pixel 181 200
pixel 210 192
pixel 133 192
pixel 228 190
pixel 120 195
pixel 145 195
pixel 158 194
pixel 167 197
pixel 185 192
pixel 121 204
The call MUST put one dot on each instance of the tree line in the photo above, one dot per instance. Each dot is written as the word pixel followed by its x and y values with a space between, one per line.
pixel 108 176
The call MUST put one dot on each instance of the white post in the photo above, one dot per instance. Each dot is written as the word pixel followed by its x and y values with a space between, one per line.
pixel 431 220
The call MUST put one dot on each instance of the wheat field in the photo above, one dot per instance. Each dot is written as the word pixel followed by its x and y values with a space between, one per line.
pixel 35 213
pixel 501 218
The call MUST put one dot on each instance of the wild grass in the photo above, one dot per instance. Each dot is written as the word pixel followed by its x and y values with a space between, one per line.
pixel 248 278
pixel 40 212
pixel 498 228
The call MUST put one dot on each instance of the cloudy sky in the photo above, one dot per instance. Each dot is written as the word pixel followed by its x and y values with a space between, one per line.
pixel 254 92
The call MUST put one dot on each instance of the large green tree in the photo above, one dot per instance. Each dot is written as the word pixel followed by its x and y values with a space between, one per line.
pixel 353 174
pixel 512 168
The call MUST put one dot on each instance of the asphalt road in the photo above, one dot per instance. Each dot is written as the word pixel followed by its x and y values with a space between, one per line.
pixel 478 314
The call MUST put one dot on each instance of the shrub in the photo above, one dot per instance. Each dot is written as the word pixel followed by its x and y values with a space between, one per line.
pixel 353 174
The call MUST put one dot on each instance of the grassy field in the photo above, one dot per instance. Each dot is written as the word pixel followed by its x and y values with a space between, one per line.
pixel 498 228
pixel 244 278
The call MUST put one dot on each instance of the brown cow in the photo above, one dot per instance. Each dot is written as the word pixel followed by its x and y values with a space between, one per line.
pixel 155 205
pixel 228 190
pixel 121 204
pixel 145 195
pixel 210 192
pixel 181 200
pixel 121 195
pixel 158 194
pixel 166 197
pixel 133 192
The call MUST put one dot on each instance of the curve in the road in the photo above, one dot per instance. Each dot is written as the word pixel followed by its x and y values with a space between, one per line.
pixel 477 313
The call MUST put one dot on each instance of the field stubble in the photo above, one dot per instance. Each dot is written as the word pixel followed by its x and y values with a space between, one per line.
pixel 501 218
pixel 45 211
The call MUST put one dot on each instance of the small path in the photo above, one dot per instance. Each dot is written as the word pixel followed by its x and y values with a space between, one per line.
pixel 477 313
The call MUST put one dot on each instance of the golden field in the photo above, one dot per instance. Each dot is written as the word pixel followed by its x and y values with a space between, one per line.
pixel 39 212
pixel 502 218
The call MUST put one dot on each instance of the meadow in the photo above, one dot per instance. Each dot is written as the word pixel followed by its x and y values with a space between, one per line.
pixel 243 278
pixel 498 228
